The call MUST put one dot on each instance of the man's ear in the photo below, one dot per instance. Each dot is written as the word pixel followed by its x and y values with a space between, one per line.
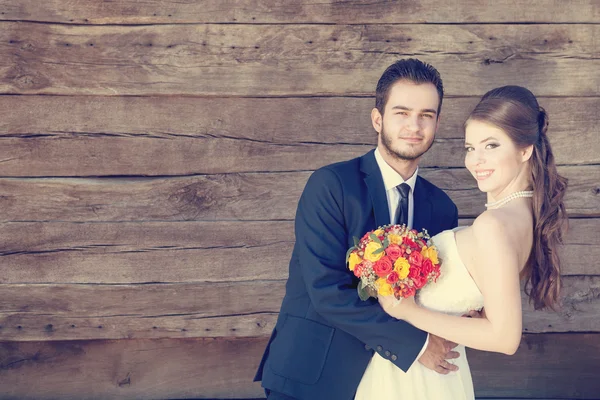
pixel 526 153
pixel 376 119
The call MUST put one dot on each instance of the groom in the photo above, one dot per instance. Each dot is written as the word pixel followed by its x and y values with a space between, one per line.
pixel 325 335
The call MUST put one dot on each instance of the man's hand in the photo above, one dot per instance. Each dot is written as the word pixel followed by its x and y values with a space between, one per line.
pixel 437 353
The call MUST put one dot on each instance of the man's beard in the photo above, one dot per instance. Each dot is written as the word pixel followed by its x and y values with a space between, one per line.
pixel 387 142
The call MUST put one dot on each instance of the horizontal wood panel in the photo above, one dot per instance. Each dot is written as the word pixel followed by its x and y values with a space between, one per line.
pixel 76 312
pixel 179 252
pixel 71 136
pixel 171 252
pixel 133 369
pixel 278 11
pixel 327 120
pixel 275 60
pixel 244 196
pixel 545 366
pixel 19 238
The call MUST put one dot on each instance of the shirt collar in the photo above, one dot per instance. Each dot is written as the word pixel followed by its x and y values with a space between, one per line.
pixel 391 178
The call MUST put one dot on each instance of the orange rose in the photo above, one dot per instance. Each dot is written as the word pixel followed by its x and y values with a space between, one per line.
pixel 394 251
pixel 383 266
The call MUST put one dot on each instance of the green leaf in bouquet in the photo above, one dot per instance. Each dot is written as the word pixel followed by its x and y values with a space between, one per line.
pixel 363 293
pixel 379 250
pixel 374 238
pixel 356 242
pixel 350 250
pixel 386 243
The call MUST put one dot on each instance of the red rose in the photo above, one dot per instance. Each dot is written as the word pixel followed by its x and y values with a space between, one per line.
pixel 415 275
pixel 383 266
pixel 414 272
pixel 415 258
pixel 409 242
pixel 394 251
pixel 426 267
pixel 392 278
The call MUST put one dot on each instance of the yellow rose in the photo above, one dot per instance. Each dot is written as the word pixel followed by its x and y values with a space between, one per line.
pixel 378 232
pixel 394 239
pixel 431 253
pixel 353 261
pixel 371 247
pixel 402 267
pixel 383 288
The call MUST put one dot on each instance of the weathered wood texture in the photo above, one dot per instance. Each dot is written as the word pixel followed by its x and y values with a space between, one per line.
pixel 132 369
pixel 149 179
pixel 72 136
pixel 200 294
pixel 282 12
pixel 76 312
pixel 207 368
pixel 244 196
pixel 197 252
pixel 274 60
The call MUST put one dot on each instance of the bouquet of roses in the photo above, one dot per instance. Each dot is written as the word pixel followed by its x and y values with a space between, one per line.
pixel 393 260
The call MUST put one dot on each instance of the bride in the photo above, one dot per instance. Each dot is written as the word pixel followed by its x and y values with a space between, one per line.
pixel 514 240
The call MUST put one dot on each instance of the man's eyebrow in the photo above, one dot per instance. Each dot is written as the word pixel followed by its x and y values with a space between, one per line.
pixel 427 110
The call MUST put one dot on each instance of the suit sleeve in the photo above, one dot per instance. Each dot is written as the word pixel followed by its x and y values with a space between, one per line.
pixel 455 217
pixel 321 240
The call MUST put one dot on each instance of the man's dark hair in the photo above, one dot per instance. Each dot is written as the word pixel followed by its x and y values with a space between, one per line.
pixel 412 70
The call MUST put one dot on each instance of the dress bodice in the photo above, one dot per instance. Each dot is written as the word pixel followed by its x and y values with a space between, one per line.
pixel 455 291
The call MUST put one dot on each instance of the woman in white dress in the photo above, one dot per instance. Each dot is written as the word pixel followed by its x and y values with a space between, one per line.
pixel 516 239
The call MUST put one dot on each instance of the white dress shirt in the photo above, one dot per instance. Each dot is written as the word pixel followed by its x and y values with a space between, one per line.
pixel 391 179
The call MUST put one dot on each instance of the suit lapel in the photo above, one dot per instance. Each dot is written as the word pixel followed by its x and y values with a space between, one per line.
pixel 422 207
pixel 376 188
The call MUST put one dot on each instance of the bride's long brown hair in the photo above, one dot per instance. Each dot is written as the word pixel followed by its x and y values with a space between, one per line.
pixel 516 111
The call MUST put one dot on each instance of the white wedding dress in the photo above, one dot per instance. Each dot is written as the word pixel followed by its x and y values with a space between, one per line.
pixel 455 293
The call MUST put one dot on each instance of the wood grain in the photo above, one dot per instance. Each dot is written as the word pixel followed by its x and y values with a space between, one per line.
pixel 241 309
pixel 275 60
pixel 545 366
pixel 71 136
pixel 283 12
pixel 192 252
pixel 243 196
pixel 539 368
pixel 135 369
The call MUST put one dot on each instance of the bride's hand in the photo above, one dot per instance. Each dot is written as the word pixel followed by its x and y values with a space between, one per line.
pixel 395 308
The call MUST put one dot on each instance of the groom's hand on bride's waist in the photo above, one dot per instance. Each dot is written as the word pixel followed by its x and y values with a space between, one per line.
pixel 438 355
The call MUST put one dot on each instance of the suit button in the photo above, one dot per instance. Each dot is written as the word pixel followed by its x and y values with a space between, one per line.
pixel 367 347
pixel 394 357
pixel 379 348
pixel 387 353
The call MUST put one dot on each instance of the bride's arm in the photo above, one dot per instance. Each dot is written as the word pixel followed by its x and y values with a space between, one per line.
pixel 500 330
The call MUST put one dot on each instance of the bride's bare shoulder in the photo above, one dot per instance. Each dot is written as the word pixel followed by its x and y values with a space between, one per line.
pixel 493 224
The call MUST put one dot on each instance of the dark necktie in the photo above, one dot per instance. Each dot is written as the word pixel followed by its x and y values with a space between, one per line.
pixel 404 190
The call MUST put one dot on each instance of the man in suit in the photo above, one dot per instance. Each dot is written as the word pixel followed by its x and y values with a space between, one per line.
pixel 325 335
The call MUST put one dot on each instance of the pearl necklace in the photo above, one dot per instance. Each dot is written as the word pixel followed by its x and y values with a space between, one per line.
pixel 512 196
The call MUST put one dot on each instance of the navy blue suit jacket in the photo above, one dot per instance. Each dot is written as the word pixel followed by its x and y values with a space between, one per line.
pixel 325 335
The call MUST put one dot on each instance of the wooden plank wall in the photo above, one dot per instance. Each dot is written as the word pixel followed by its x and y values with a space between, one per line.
pixel 152 154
